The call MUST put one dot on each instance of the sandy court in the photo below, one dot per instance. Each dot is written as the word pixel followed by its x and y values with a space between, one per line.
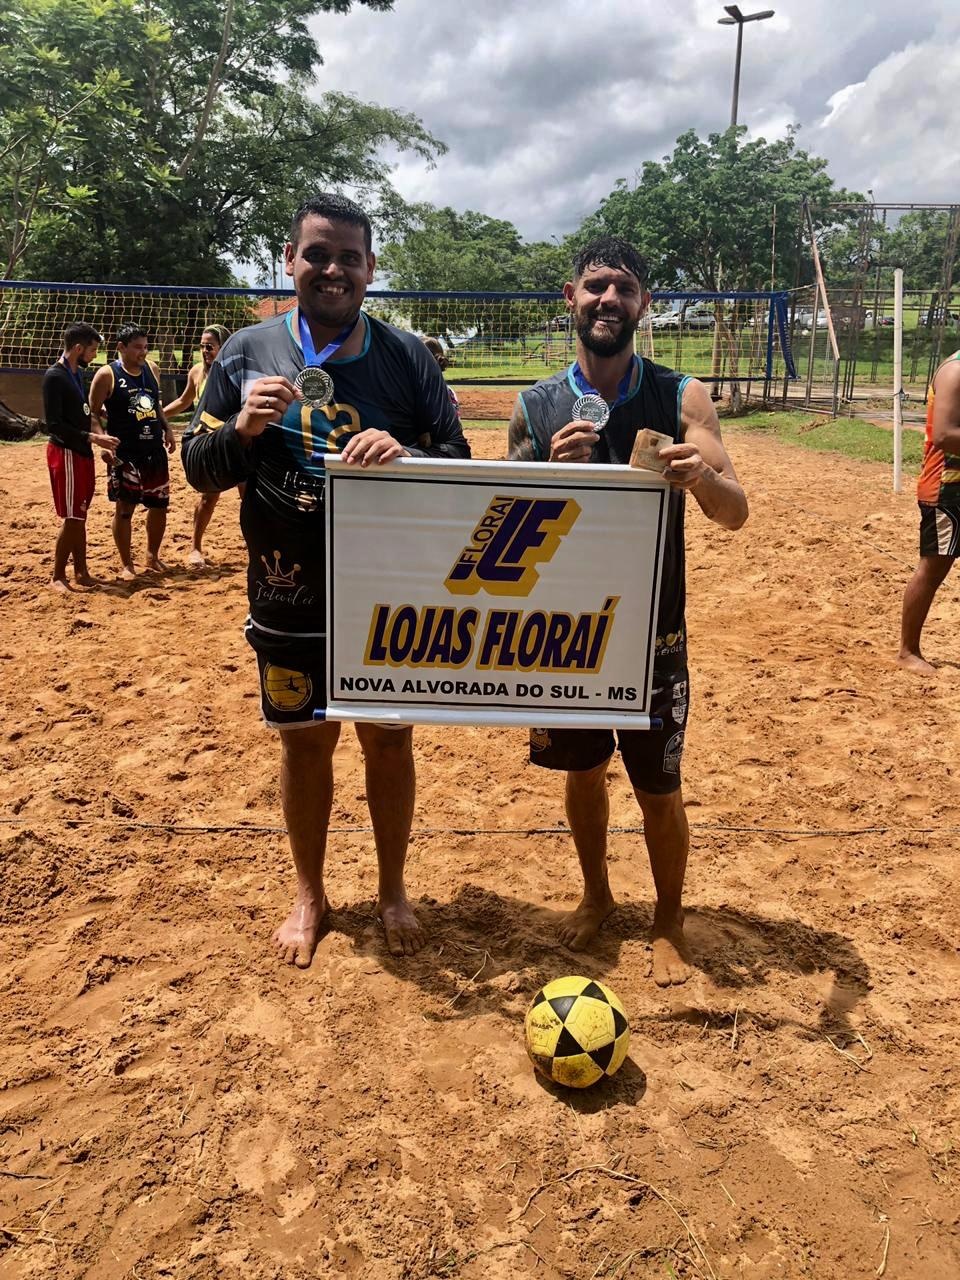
pixel 174 1104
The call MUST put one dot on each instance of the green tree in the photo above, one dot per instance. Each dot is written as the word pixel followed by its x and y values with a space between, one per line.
pixel 545 265
pixel 461 252
pixel 157 139
pixel 703 216
pixel 444 249
pixel 918 244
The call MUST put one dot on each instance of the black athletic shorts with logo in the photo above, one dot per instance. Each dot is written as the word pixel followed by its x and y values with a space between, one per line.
pixel 651 758
pixel 939 531
pixel 291 690
pixel 293 677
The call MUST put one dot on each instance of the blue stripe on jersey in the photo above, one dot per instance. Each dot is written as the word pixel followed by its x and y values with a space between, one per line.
pixel 680 386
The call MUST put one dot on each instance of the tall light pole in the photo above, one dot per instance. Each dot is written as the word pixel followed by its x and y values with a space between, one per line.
pixel 738 19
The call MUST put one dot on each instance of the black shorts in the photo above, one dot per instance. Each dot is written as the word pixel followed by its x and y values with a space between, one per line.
pixel 145 481
pixel 650 757
pixel 939 531
pixel 293 676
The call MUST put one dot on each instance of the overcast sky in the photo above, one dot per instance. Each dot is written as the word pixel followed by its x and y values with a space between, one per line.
pixel 543 104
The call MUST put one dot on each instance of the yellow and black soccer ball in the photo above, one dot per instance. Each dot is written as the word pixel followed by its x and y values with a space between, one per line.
pixel 577 1032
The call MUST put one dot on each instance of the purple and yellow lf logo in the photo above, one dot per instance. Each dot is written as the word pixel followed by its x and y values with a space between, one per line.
pixel 512 538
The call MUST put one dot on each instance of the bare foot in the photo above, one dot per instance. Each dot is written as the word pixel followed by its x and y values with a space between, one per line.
pixel 85 580
pixel 672 961
pixel 296 939
pixel 155 565
pixel 195 559
pixel 128 573
pixel 916 663
pixel 580 926
pixel 400 924
pixel 60 585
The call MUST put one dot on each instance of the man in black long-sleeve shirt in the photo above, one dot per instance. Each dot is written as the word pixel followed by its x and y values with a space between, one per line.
pixel 377 395
pixel 66 416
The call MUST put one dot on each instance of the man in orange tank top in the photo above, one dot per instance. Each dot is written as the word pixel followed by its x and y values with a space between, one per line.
pixel 938 493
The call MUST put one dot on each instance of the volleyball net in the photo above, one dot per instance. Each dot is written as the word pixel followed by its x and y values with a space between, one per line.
pixel 508 338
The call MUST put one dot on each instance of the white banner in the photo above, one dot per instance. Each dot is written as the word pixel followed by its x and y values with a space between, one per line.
pixel 497 593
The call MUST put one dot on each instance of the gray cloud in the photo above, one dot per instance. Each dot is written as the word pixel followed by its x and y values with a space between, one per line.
pixel 544 105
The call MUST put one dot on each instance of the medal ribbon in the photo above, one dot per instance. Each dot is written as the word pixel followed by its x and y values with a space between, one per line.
pixel 310 354
pixel 623 390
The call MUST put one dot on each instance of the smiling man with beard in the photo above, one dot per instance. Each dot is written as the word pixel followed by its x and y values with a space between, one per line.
pixel 325 378
pixel 607 298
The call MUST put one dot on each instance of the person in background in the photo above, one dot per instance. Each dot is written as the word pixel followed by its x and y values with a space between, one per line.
pixel 73 477
pixel 938 493
pixel 435 347
pixel 128 391
pixel 211 340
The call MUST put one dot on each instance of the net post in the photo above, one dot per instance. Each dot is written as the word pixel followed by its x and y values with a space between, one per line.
pixel 898 379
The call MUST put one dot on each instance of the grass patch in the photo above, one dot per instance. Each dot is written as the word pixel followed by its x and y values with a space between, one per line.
pixel 485 424
pixel 863 441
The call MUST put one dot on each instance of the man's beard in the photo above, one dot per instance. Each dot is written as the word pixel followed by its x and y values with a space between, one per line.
pixel 81 363
pixel 608 345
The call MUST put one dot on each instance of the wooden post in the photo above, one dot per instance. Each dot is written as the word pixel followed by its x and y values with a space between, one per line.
pixel 898 379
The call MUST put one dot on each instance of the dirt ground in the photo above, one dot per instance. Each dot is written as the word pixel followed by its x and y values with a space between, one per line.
pixel 486 402
pixel 174 1104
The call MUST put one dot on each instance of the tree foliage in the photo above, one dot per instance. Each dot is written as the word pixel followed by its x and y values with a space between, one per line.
pixel 703 216
pixel 154 140
pixel 444 249
pixel 917 243
pixel 471 252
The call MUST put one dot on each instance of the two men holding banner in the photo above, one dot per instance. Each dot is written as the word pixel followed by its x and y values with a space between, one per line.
pixel 592 412
pixel 275 406
pixel 325 378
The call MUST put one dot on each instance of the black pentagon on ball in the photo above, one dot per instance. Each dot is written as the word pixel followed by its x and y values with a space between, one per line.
pixel 597 993
pixel 561 1005
pixel 567 1045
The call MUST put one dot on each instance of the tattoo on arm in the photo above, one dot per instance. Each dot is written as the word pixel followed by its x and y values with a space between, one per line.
pixel 519 444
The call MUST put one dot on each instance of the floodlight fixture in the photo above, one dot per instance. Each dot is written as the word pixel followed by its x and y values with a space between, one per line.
pixel 737 19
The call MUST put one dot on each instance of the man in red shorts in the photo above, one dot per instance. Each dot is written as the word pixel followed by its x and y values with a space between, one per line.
pixel 66 415
pixel 128 390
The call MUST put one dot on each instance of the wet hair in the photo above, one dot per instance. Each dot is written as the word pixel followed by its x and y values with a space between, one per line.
pixel 611 251
pixel 80 332
pixel 328 204
pixel 129 332
pixel 219 331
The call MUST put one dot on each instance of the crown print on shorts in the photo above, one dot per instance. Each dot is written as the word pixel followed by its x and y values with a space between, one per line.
pixel 275 574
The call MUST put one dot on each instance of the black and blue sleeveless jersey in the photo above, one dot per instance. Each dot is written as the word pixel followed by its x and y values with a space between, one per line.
pixel 654 403
pixel 133 413
pixel 393 384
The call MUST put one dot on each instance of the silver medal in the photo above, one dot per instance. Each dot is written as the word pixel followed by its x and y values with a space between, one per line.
pixel 316 386
pixel 593 409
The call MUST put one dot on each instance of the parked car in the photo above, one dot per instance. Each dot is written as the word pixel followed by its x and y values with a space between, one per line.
pixel 803 318
pixel 665 320
pixel 693 316
pixel 937 317
pixel 697 317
